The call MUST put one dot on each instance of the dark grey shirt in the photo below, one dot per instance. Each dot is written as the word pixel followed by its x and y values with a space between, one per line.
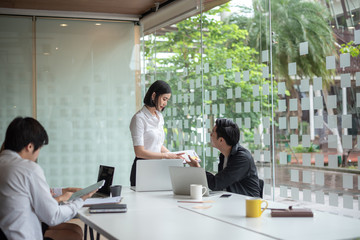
pixel 239 176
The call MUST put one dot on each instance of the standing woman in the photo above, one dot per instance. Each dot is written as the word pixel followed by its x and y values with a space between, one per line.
pixel 147 127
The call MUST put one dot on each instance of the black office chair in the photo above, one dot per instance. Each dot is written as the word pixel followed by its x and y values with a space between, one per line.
pixel 261 185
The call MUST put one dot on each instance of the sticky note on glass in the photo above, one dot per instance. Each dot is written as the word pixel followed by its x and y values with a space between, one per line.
pixel 345 80
pixel 198 83
pixel 228 63
pixel 281 88
pixel 185 98
pixel 319 160
pixel 304 85
pixel 307 195
pixel 357 38
pixel 247 123
pixel 192 110
pixel 295 193
pixel 265 72
pixel 198 69
pixel 192 84
pixel 198 110
pixel 292 69
pixel 304 48
pixel 307 176
pixel 266 122
pixel 168 75
pixel 331 101
pixel 179 99
pixel 293 122
pixel 332 161
pixel 330 62
pixel 256 106
pixel 267 156
pixel 207 109
pixel 347 141
pixel 265 89
pixel 174 98
pixel 294 175
pixel 318 103
pixel 239 122
pixel 293 104
pixel 238 107
pixel 214 109
pixel 345 60
pixel 221 80
pixel 213 81
pixel 332 141
pixel 319 178
pixel 348 181
pixel 256 138
pixel 357 99
pixel 282 122
pixel 207 122
pixel 229 93
pixel 333 199
pixel 207 95
pixel 213 95
pixel 192 97
pixel 318 122
pixel 282 105
pixel 306 158
pixel 348 202
pixel 246 107
pixel 206 67
pixel 246 75
pixel 283 158
pixel 222 108
pixel 346 121
pixel 294 140
pixel 237 77
pixel 185 71
pixel 267 139
pixel 238 92
pixel 256 90
pixel 318 83
pixel 265 56
pixel 306 140
pixel 357 75
pixel 283 191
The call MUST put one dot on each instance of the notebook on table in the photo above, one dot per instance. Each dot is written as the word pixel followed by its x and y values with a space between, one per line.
pixel 153 174
pixel 183 177
pixel 105 173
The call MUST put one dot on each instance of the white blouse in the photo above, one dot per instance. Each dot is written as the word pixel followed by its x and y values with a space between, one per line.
pixel 147 130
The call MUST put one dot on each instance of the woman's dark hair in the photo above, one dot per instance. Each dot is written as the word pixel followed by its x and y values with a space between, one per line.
pixel 228 130
pixel 23 131
pixel 159 87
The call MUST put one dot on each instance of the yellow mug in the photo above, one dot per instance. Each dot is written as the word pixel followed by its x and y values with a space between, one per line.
pixel 253 207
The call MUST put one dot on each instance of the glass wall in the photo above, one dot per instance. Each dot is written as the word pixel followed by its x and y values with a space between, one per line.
pixel 85 80
pixel 276 69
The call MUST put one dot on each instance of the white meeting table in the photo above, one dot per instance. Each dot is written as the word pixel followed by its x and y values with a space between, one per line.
pixel 159 215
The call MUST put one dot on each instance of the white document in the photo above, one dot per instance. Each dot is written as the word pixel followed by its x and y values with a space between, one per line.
pixel 188 153
pixel 94 201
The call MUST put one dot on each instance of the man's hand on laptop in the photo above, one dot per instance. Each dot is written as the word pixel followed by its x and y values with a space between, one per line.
pixel 193 162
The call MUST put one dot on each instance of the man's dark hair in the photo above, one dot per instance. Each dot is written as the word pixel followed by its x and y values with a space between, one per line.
pixel 228 130
pixel 23 131
pixel 159 87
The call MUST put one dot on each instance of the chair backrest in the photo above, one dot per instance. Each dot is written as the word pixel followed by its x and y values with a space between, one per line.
pixel 261 184
pixel 2 235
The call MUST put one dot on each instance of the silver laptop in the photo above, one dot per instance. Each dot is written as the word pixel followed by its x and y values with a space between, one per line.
pixel 183 177
pixel 153 174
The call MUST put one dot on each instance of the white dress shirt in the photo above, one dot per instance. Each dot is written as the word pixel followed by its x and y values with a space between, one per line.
pixel 147 130
pixel 25 199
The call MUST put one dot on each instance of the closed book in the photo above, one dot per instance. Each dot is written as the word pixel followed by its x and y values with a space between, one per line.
pixel 297 212
pixel 108 208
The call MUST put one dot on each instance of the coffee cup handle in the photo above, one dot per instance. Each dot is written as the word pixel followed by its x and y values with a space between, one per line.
pixel 264 201
pixel 204 188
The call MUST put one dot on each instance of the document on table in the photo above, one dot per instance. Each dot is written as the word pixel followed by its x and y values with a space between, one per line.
pixel 188 153
pixel 95 201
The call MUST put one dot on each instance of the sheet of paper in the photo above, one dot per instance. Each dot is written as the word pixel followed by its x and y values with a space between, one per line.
pixel 93 201
pixel 345 60
pixel 333 199
pixel 307 177
pixel 319 160
pixel 229 93
pixel 319 178
pixel 187 153
pixel 237 77
pixel 304 48
pixel 330 62
pixel 348 181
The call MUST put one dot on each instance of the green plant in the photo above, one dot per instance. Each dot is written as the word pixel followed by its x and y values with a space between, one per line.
pixel 351 48
pixel 311 149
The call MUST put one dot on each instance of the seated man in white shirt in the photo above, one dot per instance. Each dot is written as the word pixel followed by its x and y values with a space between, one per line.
pixel 25 196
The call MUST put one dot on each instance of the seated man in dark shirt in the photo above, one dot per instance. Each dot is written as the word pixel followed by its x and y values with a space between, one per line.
pixel 236 171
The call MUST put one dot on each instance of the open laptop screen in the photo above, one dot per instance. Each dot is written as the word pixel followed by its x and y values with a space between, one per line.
pixel 106 173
